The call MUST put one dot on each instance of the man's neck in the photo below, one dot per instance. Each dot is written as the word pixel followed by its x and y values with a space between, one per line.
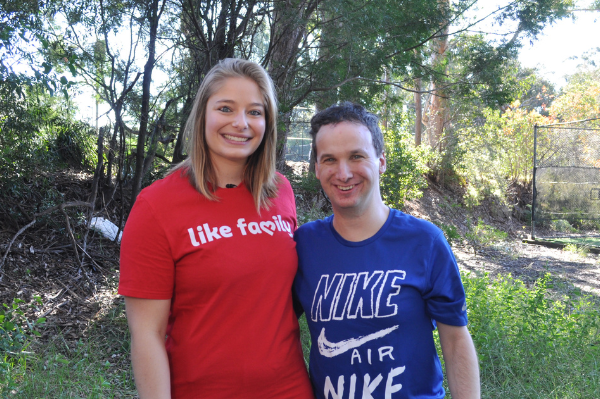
pixel 360 226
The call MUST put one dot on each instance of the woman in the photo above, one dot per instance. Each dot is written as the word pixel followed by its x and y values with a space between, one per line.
pixel 208 259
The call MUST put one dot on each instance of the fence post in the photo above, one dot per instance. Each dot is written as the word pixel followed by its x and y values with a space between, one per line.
pixel 535 128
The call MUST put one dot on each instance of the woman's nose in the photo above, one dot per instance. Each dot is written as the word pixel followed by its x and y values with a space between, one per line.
pixel 240 121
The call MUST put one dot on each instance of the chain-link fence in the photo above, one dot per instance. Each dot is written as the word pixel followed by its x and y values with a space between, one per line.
pixel 566 179
pixel 299 141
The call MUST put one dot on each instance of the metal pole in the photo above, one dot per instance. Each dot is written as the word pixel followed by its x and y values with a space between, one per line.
pixel 533 182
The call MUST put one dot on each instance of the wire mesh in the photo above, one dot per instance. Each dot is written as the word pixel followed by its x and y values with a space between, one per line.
pixel 298 141
pixel 566 179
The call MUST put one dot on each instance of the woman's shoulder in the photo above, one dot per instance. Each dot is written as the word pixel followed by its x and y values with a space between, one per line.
pixel 175 184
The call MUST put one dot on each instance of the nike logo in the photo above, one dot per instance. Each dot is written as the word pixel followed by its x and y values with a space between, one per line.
pixel 331 349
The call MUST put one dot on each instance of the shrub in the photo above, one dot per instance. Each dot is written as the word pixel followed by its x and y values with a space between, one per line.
pixel 530 345
pixel 450 232
pixel 406 168
pixel 483 235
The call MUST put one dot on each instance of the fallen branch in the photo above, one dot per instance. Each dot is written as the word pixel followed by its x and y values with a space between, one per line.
pixel 35 217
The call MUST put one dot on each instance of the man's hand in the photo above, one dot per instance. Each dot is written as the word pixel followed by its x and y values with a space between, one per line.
pixel 460 358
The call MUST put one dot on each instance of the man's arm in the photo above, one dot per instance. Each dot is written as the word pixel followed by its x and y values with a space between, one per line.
pixel 460 358
pixel 147 319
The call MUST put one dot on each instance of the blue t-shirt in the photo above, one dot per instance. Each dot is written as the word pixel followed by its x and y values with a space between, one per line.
pixel 371 307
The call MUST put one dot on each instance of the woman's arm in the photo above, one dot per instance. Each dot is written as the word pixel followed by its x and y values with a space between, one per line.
pixel 147 319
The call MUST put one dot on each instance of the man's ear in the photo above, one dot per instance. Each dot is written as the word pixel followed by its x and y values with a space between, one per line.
pixel 382 164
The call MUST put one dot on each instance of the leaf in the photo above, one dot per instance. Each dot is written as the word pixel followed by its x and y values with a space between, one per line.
pixel 63 80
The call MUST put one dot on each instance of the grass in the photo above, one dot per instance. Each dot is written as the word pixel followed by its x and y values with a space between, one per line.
pixel 531 343
pixel 579 241
pixel 97 366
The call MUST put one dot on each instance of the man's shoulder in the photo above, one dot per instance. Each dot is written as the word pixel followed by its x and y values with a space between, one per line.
pixel 316 227
pixel 408 224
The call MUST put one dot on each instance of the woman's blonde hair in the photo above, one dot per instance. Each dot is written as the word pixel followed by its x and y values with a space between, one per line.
pixel 259 173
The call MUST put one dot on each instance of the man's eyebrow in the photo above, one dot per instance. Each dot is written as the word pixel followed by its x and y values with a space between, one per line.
pixel 322 156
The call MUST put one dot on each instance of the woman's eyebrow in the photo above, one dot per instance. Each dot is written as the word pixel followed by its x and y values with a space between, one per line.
pixel 227 101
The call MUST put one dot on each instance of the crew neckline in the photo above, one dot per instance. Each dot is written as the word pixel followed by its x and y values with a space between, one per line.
pixel 367 241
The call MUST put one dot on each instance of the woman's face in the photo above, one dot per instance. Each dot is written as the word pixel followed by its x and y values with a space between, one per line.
pixel 235 121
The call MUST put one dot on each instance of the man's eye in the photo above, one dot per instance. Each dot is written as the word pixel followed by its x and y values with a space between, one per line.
pixel 356 156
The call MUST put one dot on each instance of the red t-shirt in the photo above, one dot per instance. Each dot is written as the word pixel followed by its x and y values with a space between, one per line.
pixel 232 331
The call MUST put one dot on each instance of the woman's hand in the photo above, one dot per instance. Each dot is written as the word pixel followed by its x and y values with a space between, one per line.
pixel 147 319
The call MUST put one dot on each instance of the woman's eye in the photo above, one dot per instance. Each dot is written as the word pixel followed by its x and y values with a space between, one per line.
pixel 225 109
pixel 255 113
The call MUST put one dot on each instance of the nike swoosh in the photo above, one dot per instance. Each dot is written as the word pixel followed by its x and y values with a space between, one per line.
pixel 331 349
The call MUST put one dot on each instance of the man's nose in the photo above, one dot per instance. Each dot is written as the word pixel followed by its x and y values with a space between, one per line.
pixel 344 172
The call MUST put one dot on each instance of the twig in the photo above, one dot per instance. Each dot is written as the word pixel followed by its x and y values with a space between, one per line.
pixel 71 236
pixel 12 241
pixel 46 313
pixel 69 290
pixel 37 215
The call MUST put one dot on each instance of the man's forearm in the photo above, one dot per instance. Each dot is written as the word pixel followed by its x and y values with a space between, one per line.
pixel 460 358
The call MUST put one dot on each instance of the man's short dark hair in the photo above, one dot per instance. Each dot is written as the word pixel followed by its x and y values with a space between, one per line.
pixel 347 112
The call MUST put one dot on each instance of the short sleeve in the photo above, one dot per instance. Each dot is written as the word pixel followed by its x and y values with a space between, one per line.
pixel 286 192
pixel 445 298
pixel 147 269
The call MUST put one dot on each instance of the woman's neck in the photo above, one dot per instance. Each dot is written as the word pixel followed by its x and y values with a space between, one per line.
pixel 229 173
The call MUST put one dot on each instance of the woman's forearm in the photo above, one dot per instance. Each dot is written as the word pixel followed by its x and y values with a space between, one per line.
pixel 150 367
pixel 147 319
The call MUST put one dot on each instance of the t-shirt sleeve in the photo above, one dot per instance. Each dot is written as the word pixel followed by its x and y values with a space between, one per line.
pixel 445 298
pixel 286 191
pixel 147 269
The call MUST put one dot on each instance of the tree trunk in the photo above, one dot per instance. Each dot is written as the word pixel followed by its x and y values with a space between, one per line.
pixel 437 101
pixel 418 112
pixel 290 18
pixel 153 17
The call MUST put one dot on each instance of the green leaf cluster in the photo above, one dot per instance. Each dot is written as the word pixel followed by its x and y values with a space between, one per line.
pixel 17 332
pixel 404 178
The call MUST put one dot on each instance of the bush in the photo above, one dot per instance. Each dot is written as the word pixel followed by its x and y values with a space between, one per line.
pixel 75 143
pixel 404 178
pixel 530 345
pixel 483 235
pixel 450 232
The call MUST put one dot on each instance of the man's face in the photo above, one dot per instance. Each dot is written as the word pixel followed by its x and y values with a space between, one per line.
pixel 348 167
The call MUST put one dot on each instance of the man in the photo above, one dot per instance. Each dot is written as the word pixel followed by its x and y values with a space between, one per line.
pixel 374 282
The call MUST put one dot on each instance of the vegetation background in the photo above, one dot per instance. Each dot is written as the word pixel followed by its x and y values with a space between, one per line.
pixel 456 107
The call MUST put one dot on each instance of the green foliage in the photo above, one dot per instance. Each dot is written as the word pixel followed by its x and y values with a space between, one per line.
pixel 450 232
pixel 530 345
pixel 580 250
pixel 310 202
pixel 483 235
pixel 406 166
pixel 76 144
pixel 16 334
